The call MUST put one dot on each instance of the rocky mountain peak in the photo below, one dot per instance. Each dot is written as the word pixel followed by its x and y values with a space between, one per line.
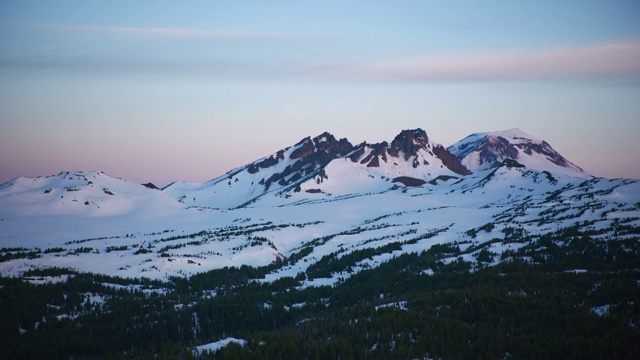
pixel 409 142
pixel 324 143
pixel 488 150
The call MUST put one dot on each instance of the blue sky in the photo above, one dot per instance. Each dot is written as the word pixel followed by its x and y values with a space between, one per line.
pixel 161 91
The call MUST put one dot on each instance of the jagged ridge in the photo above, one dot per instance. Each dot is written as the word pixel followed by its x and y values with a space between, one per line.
pixel 306 161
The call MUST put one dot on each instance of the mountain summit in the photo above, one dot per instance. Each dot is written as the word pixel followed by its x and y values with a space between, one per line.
pixel 483 151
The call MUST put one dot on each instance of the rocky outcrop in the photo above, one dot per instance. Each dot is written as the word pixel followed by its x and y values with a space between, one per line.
pixel 510 163
pixel 148 185
pixel 377 152
pixel 311 155
pixel 409 142
pixel 450 161
pixel 409 181
pixel 406 146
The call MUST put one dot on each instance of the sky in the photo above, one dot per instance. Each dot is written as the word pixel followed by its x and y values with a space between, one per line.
pixel 158 91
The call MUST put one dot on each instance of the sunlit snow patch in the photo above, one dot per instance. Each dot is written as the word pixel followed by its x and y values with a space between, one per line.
pixel 215 346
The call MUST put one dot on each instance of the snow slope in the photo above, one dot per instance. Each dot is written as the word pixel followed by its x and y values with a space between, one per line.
pixel 87 194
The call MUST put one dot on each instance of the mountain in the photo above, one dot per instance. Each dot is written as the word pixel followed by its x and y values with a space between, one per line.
pixel 285 168
pixel 320 198
pixel 326 166
pixel 483 151
pixel 89 194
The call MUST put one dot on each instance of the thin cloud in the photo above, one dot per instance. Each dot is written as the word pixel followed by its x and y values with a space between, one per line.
pixel 619 59
pixel 178 32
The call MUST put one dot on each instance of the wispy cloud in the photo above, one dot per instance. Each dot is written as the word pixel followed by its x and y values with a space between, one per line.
pixel 618 59
pixel 178 32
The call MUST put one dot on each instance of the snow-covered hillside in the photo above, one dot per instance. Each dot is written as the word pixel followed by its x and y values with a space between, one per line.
pixel 321 200
pixel 85 194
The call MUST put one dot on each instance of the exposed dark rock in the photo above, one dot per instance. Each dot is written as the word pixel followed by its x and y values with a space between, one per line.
pixel 378 151
pixel 322 175
pixel 148 185
pixel 545 149
pixel 409 181
pixel 313 191
pixel 409 142
pixel 494 147
pixel 328 143
pixel 359 151
pixel 270 161
pixel 305 148
pixel 441 178
pixel 312 154
pixel 375 162
pixel 450 161
pixel 490 148
pixel 510 163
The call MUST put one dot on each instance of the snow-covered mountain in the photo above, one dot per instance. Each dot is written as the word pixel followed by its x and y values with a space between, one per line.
pixel 321 198
pixel 482 151
pixel 87 194
pixel 327 166
pixel 283 169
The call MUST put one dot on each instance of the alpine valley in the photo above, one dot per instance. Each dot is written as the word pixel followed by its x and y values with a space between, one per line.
pixel 494 247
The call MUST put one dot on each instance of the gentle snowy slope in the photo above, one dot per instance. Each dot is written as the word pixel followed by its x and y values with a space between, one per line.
pixel 81 193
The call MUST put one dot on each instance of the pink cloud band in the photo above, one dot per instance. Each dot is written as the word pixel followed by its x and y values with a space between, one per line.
pixel 614 59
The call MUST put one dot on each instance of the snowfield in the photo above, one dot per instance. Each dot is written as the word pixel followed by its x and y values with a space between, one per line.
pixel 138 240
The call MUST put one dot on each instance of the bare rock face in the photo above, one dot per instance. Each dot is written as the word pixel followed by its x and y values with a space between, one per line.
pixel 409 142
pixel 305 148
pixel 378 151
pixel 311 155
pixel 406 146
pixel 492 149
pixel 449 160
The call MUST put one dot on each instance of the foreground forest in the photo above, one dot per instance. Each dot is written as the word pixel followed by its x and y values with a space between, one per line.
pixel 570 297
